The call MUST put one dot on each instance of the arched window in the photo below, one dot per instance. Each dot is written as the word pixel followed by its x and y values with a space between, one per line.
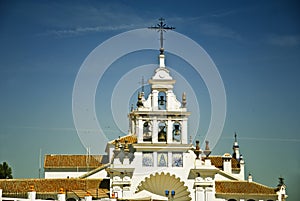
pixel 250 200
pixel 162 131
pixel 176 131
pixel 147 131
pixel 162 101
pixel 232 200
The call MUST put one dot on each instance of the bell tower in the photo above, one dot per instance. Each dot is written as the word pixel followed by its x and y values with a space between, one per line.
pixel 161 118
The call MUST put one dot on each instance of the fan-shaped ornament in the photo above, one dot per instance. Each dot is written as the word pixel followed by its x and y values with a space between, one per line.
pixel 161 183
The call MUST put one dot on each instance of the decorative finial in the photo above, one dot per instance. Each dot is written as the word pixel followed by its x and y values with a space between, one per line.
pixel 207 151
pixel 235 135
pixel 197 151
pixel 183 100
pixel 142 82
pixel 126 146
pixel 161 27
pixel 117 145
pixel 281 181
pixel 250 178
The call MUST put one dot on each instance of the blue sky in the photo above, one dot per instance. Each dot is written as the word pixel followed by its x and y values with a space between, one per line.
pixel 255 46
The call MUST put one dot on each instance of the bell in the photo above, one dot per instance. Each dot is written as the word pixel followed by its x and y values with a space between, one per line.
pixel 161 100
pixel 161 136
pixel 176 129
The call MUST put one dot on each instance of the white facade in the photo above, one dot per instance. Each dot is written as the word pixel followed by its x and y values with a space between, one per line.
pixel 156 155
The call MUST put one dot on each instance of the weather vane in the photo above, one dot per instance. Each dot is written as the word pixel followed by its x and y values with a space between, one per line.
pixel 161 27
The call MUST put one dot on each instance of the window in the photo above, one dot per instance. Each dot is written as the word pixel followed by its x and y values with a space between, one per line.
pixel 147 133
pixel 176 132
pixel 147 159
pixel 177 159
pixel 162 159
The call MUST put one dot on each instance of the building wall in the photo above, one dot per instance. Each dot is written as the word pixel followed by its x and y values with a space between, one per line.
pixel 73 174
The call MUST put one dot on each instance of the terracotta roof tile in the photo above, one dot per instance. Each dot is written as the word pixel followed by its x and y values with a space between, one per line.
pixel 72 161
pixel 48 185
pixel 218 162
pixel 131 139
pixel 238 187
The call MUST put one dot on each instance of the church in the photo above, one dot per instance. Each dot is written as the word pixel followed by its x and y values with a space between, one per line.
pixel 156 160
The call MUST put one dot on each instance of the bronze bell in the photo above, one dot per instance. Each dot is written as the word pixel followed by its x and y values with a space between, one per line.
pixel 161 137
pixel 161 100
pixel 176 129
pixel 162 134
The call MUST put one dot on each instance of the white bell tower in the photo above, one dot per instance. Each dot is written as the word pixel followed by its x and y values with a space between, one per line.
pixel 161 118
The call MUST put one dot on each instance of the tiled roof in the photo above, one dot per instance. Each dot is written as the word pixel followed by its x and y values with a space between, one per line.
pixel 131 139
pixel 72 161
pixel 48 185
pixel 243 187
pixel 96 193
pixel 218 162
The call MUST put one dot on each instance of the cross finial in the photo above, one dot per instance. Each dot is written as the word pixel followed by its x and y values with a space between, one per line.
pixel 161 27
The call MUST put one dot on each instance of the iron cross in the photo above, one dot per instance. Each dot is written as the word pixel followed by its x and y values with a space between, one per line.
pixel 161 27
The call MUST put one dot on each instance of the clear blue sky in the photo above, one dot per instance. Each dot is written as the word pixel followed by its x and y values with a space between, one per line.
pixel 255 46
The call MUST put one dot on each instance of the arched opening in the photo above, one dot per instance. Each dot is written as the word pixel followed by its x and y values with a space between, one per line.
pixel 162 131
pixel 250 200
pixel 147 131
pixel 176 132
pixel 162 100
pixel 232 200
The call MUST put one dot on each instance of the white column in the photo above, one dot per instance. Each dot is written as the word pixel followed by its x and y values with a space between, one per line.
pixel 154 100
pixel 184 137
pixel 155 159
pixel 169 103
pixel 169 159
pixel 199 194
pixel 140 130
pixel 155 130
pixel 209 194
pixel 133 127
pixel 170 131
pixel 126 191
pixel 0 194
